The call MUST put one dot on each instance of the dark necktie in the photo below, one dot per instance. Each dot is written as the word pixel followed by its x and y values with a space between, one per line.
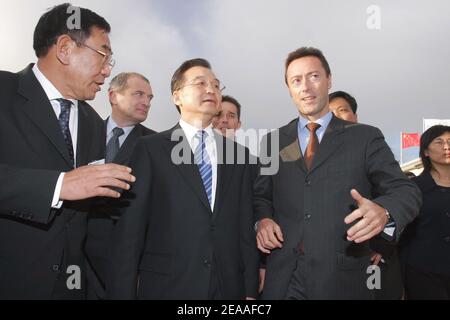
pixel 113 146
pixel 204 163
pixel 313 144
pixel 64 118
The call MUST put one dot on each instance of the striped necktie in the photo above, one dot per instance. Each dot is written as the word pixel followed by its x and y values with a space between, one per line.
pixel 203 162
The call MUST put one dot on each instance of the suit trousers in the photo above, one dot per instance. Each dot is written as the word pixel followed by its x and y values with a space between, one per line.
pixel 297 285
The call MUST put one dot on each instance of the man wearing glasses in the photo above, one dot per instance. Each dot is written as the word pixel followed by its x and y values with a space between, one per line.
pixel 48 136
pixel 188 234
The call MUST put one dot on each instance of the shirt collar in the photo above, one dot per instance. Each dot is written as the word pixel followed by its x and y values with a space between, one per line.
pixel 425 182
pixel 50 90
pixel 190 131
pixel 112 124
pixel 324 121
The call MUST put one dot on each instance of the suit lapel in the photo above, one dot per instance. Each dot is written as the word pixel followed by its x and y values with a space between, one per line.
pixel 127 147
pixel 83 141
pixel 40 111
pixel 330 143
pixel 291 151
pixel 224 170
pixel 189 171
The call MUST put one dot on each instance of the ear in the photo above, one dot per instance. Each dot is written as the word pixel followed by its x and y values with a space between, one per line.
pixel 426 153
pixel 330 82
pixel 177 99
pixel 239 125
pixel 112 98
pixel 64 48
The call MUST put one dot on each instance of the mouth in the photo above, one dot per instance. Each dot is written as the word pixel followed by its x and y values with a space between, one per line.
pixel 210 101
pixel 99 85
pixel 142 109
pixel 309 99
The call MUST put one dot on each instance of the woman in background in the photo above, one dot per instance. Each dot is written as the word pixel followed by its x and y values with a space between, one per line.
pixel 425 245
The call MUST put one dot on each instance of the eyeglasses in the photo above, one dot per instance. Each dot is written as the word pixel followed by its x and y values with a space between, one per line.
pixel 441 143
pixel 107 58
pixel 204 84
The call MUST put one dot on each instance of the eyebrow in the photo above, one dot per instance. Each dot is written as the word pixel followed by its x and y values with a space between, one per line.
pixel 203 77
pixel 309 73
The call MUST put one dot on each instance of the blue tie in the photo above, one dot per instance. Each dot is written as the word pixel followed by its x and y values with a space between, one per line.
pixel 113 146
pixel 64 117
pixel 203 162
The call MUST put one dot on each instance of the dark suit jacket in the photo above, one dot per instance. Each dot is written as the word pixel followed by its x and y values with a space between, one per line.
pixel 171 238
pixel 102 218
pixel 310 208
pixel 425 245
pixel 37 242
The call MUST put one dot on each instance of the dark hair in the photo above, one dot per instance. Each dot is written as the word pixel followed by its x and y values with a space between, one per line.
pixel 232 100
pixel 347 97
pixel 307 52
pixel 55 23
pixel 427 137
pixel 178 76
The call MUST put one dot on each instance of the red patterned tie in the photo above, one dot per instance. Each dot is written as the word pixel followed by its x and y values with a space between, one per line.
pixel 313 144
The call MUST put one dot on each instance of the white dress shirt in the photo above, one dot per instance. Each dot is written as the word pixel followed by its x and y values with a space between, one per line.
pixel 211 148
pixel 304 133
pixel 53 94
pixel 111 125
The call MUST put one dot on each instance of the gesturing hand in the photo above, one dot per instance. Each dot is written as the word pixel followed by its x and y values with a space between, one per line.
pixel 95 181
pixel 372 221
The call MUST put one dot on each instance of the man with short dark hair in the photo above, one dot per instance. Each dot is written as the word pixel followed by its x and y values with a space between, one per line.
pixel 344 106
pixel 48 136
pixel 316 214
pixel 228 119
pixel 189 231
pixel 385 255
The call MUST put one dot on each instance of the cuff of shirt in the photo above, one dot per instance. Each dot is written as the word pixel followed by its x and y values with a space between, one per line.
pixel 56 203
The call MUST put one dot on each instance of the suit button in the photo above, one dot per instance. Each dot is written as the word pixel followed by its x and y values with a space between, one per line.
pixel 207 263
pixel 448 214
pixel 447 239
pixel 56 268
pixel 212 228
pixel 308 182
pixel 307 216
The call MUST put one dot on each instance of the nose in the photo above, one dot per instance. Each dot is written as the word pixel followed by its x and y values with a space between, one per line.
pixel 305 85
pixel 106 70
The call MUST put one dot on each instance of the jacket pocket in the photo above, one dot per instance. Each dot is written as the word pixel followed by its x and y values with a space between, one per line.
pixel 345 262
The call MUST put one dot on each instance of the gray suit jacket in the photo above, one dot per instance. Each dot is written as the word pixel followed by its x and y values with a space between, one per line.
pixel 311 207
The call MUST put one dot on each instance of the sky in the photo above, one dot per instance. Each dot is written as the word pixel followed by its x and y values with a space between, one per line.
pixel 393 58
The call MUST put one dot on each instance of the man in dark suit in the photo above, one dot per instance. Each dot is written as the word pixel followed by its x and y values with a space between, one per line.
pixel 315 214
pixel 344 106
pixel 189 232
pixel 130 95
pixel 49 135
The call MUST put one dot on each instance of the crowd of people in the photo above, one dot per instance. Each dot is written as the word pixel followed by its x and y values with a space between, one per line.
pixel 109 209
